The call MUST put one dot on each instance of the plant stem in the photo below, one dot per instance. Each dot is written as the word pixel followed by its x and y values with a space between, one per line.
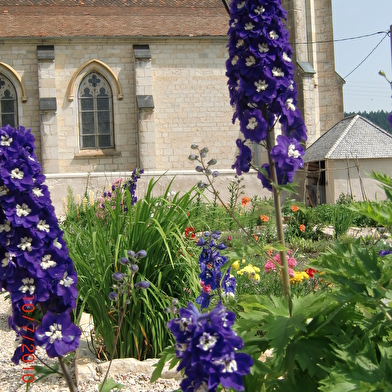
pixel 67 375
pixel 115 340
pixel 278 218
pixel 250 237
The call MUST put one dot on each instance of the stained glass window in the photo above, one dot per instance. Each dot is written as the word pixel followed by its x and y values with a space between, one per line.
pixel 8 103
pixel 95 112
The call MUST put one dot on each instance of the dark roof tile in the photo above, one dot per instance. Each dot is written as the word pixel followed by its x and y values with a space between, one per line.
pixel 117 18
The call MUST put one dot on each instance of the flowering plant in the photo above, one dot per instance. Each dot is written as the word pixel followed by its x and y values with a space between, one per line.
pixel 208 350
pixel 210 263
pixel 36 269
pixel 120 186
pixel 262 87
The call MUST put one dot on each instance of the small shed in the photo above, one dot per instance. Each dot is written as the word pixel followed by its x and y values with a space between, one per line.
pixel 342 159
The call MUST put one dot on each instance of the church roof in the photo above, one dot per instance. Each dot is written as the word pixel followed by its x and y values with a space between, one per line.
pixel 352 137
pixel 112 18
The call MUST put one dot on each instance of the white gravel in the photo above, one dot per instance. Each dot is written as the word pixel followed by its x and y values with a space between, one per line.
pixel 11 375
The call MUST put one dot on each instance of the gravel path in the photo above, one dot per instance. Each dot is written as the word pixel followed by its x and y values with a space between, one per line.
pixel 11 375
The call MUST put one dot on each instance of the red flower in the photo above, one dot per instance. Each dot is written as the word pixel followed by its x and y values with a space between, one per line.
pixel 190 232
pixel 302 228
pixel 311 272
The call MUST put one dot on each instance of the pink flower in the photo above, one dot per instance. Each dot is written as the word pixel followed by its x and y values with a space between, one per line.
pixel 269 266
pixel 291 262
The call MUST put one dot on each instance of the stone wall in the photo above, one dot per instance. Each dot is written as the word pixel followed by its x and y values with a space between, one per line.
pixel 186 79
pixel 320 88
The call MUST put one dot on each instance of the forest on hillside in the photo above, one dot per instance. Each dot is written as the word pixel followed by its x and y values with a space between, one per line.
pixel 379 118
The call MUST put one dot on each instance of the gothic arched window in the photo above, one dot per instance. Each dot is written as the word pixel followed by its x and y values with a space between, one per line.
pixel 95 112
pixel 8 103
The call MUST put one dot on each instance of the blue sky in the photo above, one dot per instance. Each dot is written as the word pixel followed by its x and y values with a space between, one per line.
pixel 364 90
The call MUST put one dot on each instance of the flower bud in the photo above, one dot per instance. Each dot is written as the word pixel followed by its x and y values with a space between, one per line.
pixel 212 162
pixel 199 169
pixel 124 261
pixel 134 268
pixel 131 253
pixel 203 154
pixel 142 285
pixel 113 296
pixel 141 254
pixel 118 276
pixel 208 172
pixel 194 146
pixel 215 173
pixel 192 157
pixel 201 185
pixel 205 150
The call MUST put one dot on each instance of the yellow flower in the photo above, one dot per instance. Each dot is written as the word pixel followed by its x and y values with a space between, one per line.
pixel 249 269
pixel 236 265
pixel 243 261
pixel 85 201
pixel 255 277
pixel 299 277
pixel 91 198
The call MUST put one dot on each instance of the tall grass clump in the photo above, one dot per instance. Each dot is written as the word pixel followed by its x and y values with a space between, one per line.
pixel 98 243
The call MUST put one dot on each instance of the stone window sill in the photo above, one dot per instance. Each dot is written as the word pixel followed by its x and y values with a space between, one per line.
pixel 97 153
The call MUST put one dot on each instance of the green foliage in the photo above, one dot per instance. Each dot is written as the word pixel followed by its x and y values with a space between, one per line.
pixel 342 214
pixel 155 224
pixel 336 340
pixel 298 217
pixel 342 219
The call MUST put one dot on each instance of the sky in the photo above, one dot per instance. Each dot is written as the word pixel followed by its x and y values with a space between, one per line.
pixel 365 89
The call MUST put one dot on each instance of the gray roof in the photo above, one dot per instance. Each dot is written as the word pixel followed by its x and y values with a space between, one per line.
pixel 352 137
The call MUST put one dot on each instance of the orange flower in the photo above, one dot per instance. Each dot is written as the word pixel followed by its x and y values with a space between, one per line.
pixel 270 251
pixel 264 218
pixel 245 201
pixel 302 228
pixel 256 237
pixel 294 208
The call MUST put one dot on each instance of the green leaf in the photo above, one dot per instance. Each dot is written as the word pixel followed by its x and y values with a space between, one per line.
pixel 287 187
pixel 168 354
pixel 109 385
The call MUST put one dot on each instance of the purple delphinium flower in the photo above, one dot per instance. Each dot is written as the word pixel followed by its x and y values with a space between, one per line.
pixel 288 154
pixel 132 184
pixel 34 257
pixel 244 157
pixel 283 177
pixel 208 349
pixel 210 263
pixel 261 83
pixel 57 334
